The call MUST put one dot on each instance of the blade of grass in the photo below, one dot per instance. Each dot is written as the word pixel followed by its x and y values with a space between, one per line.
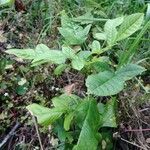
pixel 127 55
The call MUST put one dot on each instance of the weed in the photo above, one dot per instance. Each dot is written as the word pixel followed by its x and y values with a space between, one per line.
pixel 83 117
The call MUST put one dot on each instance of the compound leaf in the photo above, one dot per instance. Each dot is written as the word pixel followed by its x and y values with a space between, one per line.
pixel 39 55
pixel 73 33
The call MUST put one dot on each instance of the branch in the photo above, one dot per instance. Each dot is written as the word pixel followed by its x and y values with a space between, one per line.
pixel 9 135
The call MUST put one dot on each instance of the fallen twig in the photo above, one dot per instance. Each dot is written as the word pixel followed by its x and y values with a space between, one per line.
pixel 9 135
pixel 137 130
pixel 133 144
pixel 37 131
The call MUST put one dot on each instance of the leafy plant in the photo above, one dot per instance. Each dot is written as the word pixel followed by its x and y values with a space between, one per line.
pixel 6 2
pixel 84 116
pixel 110 83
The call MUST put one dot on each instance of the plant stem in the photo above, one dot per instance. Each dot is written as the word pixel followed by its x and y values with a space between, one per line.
pixel 37 131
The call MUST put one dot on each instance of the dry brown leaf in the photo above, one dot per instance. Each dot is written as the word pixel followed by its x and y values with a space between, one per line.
pixel 69 88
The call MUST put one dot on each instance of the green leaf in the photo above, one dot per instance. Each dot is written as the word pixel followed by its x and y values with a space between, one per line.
pixel 65 20
pixel 84 55
pixel 44 53
pixel 100 64
pixel 68 52
pixel 101 108
pixel 111 31
pixel 96 47
pixel 80 59
pixel 88 138
pixel 81 112
pixel 21 90
pixel 6 2
pixel 60 131
pixel 148 12
pixel 73 33
pixel 22 53
pixel 109 83
pixel 66 102
pixel 100 36
pixel 87 18
pixel 67 121
pixel 104 84
pixel 109 116
pixel 45 116
pixel 77 63
pixel 59 69
pixel 129 71
pixel 40 55
pixel 130 25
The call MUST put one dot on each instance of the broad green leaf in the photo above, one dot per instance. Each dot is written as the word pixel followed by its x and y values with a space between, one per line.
pixel 129 71
pixel 130 25
pixel 114 22
pixel 23 53
pixel 67 121
pixel 65 102
pixel 88 138
pixel 100 36
pixel 88 18
pixel 100 64
pixel 109 83
pixel 80 59
pixel 77 63
pixel 75 35
pixel 109 116
pixel 68 52
pixel 84 55
pixel 104 84
pixel 59 69
pixel 81 112
pixel 65 20
pixel 111 31
pixel 45 116
pixel 40 55
pixel 96 47
pixel 44 53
